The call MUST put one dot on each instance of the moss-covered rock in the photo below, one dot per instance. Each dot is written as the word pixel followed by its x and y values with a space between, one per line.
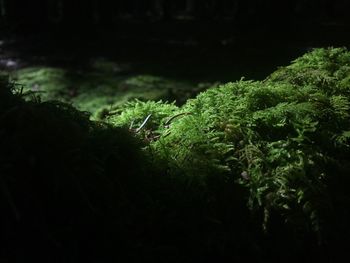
pixel 64 180
pixel 285 139
pixel 250 169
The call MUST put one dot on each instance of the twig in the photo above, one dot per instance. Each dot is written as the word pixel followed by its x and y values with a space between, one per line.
pixel 143 124
pixel 131 125
pixel 175 116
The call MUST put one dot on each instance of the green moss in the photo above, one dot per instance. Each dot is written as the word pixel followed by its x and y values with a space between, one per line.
pixel 279 148
pixel 50 83
pixel 327 69
pixel 282 138
pixel 101 88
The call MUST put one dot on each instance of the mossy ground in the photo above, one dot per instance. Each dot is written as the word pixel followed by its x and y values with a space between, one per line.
pixel 285 138
pixel 250 169
pixel 103 75
pixel 103 85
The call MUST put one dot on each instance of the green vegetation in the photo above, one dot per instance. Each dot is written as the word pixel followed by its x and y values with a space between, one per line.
pixel 286 139
pixel 253 169
pixel 103 86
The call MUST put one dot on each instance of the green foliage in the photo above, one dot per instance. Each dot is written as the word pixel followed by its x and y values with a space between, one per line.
pixel 49 83
pixel 281 138
pixel 321 68
pixel 147 118
pixel 64 178
pixel 103 88
pixel 205 178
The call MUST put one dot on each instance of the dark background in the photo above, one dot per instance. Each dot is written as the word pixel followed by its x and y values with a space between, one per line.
pixel 197 40
pixel 200 40
pixel 85 15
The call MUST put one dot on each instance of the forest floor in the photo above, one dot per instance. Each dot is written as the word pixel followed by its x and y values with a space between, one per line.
pixel 94 71
pixel 155 217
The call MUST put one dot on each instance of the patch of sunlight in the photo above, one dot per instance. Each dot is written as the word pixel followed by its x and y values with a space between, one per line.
pixel 49 83
pixel 95 90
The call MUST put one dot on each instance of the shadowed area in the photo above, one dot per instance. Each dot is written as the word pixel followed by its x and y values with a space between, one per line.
pixel 174 131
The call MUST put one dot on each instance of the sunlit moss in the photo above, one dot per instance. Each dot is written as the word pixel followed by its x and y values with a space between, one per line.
pixel 101 88
pixel 282 138
pixel 237 159
pixel 49 83
pixel 324 68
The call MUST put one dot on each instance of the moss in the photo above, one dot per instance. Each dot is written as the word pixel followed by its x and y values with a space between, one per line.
pixel 253 169
pixel 327 69
pixel 100 88
pixel 50 83
pixel 87 186
pixel 282 138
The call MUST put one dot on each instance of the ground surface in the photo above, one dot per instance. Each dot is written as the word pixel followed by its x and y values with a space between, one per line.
pixel 105 69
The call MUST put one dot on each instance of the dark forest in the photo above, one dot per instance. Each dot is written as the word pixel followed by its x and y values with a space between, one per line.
pixel 174 131
pixel 79 14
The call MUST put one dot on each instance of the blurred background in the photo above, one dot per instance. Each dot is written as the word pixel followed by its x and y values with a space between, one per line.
pixel 101 52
